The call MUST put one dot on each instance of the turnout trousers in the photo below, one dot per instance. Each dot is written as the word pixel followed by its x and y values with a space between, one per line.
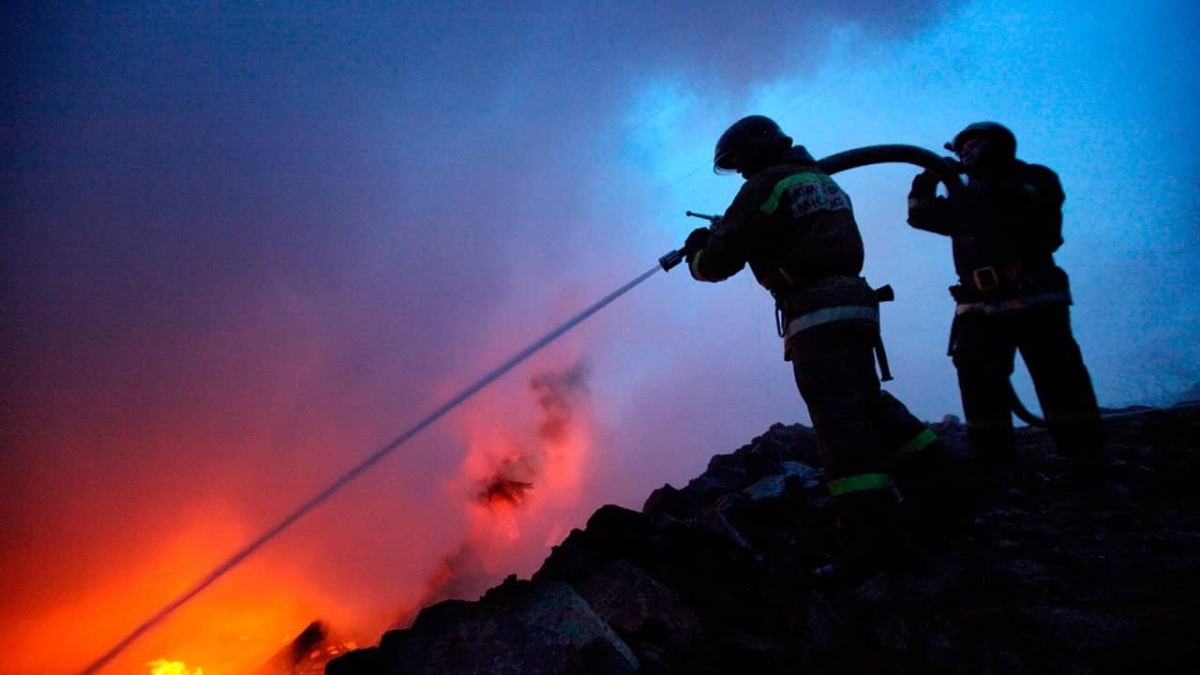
pixel 984 346
pixel 834 367
pixel 872 447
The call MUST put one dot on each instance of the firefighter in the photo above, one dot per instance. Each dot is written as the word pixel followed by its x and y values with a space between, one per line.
pixel 795 228
pixel 1004 228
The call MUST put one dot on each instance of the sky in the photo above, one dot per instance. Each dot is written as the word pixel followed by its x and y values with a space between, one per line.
pixel 246 245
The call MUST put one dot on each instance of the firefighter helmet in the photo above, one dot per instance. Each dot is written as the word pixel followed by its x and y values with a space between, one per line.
pixel 749 144
pixel 1002 142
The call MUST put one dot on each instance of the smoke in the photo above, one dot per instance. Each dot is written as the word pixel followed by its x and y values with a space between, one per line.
pixel 459 574
pixel 505 491
pixel 519 484
pixel 557 395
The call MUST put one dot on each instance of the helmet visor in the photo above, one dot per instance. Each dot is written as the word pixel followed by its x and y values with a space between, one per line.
pixel 725 163
pixel 956 145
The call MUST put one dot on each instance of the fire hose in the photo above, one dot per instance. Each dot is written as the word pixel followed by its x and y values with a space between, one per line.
pixel 944 168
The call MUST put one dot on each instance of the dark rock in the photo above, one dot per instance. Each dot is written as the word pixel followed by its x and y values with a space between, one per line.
pixel 620 532
pixel 368 661
pixel 651 618
pixel 1063 571
pixel 611 533
pixel 311 651
pixel 526 629
pixel 727 471
pixel 668 501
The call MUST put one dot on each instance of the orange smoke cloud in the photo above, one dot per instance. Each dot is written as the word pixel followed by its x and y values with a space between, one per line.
pixel 521 476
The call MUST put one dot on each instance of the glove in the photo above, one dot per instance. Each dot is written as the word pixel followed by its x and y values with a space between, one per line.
pixel 696 241
pixel 925 183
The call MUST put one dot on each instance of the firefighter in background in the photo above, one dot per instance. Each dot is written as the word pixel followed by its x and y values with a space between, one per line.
pixel 1004 228
pixel 794 226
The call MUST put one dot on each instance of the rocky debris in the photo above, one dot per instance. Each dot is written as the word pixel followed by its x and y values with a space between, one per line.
pixel 1057 574
pixel 309 652
pixel 517 627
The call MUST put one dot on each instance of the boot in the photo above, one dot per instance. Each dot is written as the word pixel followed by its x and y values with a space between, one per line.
pixel 1082 442
pixel 936 503
pixel 1085 472
pixel 871 538
pixel 995 451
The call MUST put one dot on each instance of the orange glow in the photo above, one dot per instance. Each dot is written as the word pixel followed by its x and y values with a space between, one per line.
pixel 165 667
pixel 232 628
pixel 514 489
pixel 500 517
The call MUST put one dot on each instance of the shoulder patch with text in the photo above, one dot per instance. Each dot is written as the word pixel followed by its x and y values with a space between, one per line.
pixel 807 193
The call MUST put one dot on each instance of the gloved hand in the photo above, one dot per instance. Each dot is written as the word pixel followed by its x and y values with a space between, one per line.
pixel 925 183
pixel 696 241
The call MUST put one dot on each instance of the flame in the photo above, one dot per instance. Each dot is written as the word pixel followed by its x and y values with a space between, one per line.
pixel 233 627
pixel 165 667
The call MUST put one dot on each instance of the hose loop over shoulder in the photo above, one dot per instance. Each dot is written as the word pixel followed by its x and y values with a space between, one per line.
pixel 944 170
pixel 897 153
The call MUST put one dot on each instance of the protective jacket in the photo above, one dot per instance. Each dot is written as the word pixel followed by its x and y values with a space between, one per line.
pixel 795 228
pixel 1004 232
pixel 1011 296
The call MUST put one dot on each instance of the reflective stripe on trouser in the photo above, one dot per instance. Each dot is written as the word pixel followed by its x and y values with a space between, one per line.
pixel 902 434
pixel 860 483
pixel 916 444
pixel 834 367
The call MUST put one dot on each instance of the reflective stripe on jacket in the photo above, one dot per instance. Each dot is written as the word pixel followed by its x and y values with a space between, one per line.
pixel 1014 304
pixel 826 315
pixel 793 225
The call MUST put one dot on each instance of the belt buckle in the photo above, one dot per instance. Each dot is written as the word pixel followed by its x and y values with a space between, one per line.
pixel 985 278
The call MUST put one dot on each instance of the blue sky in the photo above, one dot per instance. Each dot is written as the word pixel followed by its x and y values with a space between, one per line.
pixel 245 247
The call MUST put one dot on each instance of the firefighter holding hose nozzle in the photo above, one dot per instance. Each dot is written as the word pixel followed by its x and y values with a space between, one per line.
pixel 794 226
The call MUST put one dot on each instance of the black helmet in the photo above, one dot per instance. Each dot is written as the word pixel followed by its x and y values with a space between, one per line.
pixel 749 144
pixel 1003 144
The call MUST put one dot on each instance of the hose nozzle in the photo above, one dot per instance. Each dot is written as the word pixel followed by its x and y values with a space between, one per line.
pixel 670 260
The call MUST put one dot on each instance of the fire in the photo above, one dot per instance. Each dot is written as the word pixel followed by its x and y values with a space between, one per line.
pixel 165 667
pixel 233 627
